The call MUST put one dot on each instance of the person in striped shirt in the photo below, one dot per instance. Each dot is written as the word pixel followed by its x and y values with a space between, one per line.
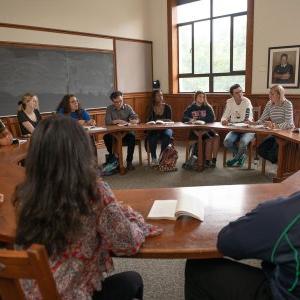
pixel 278 113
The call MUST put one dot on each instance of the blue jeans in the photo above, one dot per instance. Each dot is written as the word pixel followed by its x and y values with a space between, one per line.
pixel 231 139
pixel 154 136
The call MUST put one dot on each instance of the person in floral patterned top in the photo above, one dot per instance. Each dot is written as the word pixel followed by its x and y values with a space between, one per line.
pixel 63 205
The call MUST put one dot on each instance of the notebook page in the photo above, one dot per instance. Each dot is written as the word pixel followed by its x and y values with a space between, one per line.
pixel 163 209
pixel 190 207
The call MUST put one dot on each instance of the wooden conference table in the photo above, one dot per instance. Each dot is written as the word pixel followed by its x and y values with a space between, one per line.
pixel 288 141
pixel 184 238
pixel 120 131
pixel 288 146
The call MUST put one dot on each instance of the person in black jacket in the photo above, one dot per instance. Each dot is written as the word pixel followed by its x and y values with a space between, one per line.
pixel 270 233
pixel 200 109
pixel 159 111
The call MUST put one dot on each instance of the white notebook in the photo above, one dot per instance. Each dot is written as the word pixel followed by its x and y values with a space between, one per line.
pixel 239 124
pixel 173 209
pixel 160 122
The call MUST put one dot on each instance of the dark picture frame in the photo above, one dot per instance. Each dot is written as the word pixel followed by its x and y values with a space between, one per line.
pixel 283 66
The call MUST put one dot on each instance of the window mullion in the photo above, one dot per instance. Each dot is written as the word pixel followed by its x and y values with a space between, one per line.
pixel 231 44
pixel 211 81
pixel 193 50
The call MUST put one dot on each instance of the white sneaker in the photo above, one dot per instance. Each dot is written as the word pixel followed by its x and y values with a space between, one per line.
pixel 154 162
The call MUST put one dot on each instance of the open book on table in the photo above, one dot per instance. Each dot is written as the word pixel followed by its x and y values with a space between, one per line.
pixel 93 128
pixel 241 124
pixel 160 122
pixel 173 209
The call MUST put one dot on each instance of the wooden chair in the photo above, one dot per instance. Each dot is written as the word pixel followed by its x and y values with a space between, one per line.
pixel 13 126
pixel 30 264
pixel 252 145
pixel 297 125
pixel 218 110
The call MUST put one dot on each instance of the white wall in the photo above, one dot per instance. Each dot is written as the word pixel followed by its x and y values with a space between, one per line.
pixel 125 18
pixel 158 32
pixel 276 23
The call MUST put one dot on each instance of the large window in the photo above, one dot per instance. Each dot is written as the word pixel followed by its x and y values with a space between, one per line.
pixel 211 45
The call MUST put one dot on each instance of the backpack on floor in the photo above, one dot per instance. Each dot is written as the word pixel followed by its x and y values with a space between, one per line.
pixel 168 159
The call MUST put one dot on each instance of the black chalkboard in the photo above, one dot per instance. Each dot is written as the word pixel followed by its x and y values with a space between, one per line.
pixel 51 73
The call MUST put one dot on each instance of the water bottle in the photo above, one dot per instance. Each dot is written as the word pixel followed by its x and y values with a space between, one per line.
pixel 247 114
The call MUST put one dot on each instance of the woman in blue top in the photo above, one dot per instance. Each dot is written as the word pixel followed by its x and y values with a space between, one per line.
pixel 69 105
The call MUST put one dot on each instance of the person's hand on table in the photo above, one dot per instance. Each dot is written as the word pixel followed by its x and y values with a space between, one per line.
pixel 250 122
pixel 81 122
pixel 269 124
pixel 133 121
pixel 1 198
pixel 91 122
pixel 224 122
pixel 119 121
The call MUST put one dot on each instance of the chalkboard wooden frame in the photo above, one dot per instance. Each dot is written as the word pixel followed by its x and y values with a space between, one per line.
pixel 67 49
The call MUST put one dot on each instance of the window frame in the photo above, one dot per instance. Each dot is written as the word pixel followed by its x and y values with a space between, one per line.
pixel 173 49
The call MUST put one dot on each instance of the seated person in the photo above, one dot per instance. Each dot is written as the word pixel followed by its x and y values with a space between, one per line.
pixel 63 205
pixel 283 72
pixel 159 111
pixel 6 137
pixel 69 106
pixel 120 113
pixel 200 109
pixel 269 233
pixel 28 116
pixel 278 113
pixel 238 109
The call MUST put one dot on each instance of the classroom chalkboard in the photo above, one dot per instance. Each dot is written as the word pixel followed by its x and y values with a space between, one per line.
pixel 51 73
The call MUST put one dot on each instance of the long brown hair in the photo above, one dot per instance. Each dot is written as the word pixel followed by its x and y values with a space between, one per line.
pixel 59 185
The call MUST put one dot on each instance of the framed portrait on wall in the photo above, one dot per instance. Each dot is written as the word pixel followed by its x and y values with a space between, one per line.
pixel 283 66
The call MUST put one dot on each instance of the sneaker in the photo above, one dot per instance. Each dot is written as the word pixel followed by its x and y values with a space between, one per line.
pixel 130 166
pixel 241 161
pixel 154 162
pixel 231 162
pixel 207 164
pixel 213 163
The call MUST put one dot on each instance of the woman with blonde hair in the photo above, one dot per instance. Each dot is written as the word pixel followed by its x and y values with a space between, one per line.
pixel 278 114
pixel 28 115
pixel 200 109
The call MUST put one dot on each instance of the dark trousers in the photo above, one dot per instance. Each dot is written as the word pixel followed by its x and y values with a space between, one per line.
pixel 224 279
pixel 121 286
pixel 128 140
pixel 154 136
pixel 268 149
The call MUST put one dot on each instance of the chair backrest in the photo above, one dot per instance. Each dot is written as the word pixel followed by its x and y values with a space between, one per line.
pixel 29 264
pixel 218 109
pixel 256 112
pixel 13 126
pixel 297 117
